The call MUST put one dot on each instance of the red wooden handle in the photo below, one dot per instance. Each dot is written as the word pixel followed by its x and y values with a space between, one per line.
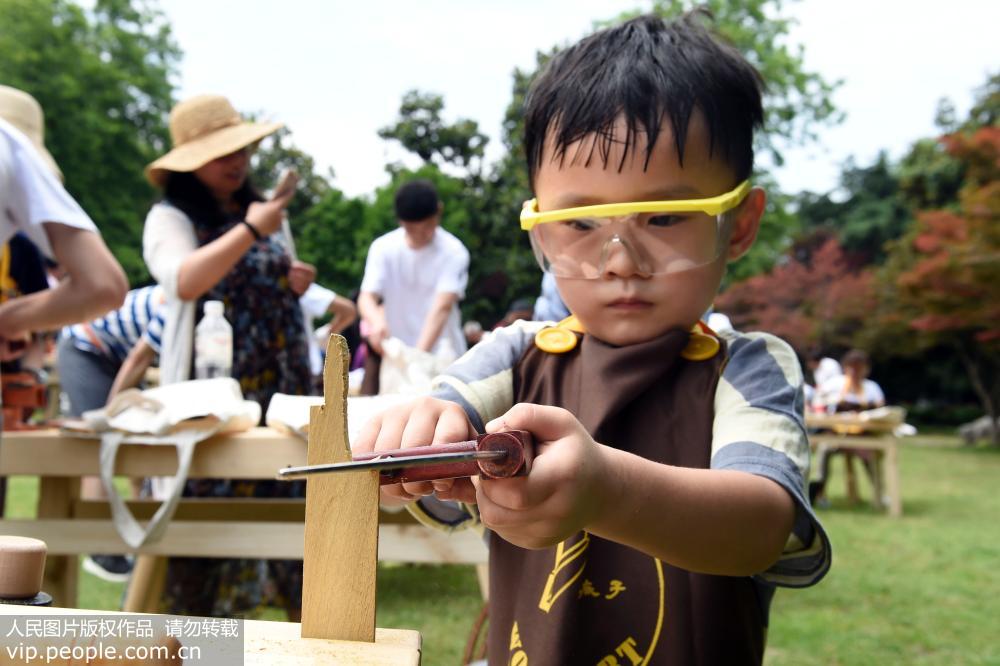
pixel 517 443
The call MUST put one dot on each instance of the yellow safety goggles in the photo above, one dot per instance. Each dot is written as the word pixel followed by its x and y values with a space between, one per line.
pixel 713 206
pixel 657 236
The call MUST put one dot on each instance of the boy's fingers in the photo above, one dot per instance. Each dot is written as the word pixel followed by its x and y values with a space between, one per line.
pixel 461 490
pixel 365 440
pixel 390 434
pixel 519 493
pixel 452 426
pixel 419 430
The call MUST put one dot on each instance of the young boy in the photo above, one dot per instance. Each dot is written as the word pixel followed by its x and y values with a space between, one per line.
pixel 666 498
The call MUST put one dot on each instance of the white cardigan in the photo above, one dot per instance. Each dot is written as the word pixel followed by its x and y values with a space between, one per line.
pixel 167 239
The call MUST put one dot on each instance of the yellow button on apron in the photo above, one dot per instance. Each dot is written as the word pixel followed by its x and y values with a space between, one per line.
pixel 555 340
pixel 700 347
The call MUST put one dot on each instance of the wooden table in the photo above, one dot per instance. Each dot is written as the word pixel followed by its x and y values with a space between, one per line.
pixel 201 527
pixel 847 432
pixel 276 642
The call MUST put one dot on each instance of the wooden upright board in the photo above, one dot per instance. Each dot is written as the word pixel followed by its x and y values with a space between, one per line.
pixel 341 533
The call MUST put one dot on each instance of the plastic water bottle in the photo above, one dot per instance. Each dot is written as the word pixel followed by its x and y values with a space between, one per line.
pixel 213 343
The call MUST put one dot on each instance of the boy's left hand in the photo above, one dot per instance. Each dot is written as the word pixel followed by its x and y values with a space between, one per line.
pixel 562 494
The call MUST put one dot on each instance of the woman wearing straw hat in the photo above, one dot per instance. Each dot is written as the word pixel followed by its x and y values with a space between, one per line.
pixel 212 238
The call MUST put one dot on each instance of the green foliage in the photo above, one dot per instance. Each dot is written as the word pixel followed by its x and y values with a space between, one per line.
pixel 275 154
pixel 797 102
pixel 421 130
pixel 104 80
pixel 873 212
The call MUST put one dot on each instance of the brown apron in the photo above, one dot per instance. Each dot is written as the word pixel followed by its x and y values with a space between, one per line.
pixel 593 601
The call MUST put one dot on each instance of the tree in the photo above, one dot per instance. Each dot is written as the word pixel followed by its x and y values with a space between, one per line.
pixel 873 212
pixel 941 281
pixel 815 296
pixel 275 154
pixel 421 130
pixel 103 78
pixel 797 102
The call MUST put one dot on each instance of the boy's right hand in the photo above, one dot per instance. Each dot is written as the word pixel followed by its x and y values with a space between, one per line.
pixel 418 423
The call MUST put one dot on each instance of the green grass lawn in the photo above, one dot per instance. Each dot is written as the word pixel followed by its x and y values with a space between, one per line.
pixel 921 590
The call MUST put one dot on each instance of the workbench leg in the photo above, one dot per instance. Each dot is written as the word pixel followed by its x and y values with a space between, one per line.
pixel 852 480
pixel 146 585
pixel 877 469
pixel 56 496
pixel 892 480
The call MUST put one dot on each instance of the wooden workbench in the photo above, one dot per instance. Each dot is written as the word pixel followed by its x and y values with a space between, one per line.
pixel 847 432
pixel 225 527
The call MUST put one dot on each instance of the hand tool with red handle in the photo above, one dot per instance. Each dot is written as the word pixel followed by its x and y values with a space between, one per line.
pixel 496 455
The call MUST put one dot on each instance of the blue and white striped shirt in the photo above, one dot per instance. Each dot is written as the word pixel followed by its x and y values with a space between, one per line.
pixel 114 334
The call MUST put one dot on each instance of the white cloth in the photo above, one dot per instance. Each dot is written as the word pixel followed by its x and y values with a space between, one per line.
pixel 826 370
pixel 408 281
pixel 314 303
pixel 30 194
pixel 167 239
pixel 832 391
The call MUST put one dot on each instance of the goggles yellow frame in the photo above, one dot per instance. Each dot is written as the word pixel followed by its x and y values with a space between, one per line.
pixel 531 216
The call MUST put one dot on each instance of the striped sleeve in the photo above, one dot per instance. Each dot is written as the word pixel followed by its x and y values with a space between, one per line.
pixel 759 429
pixel 155 309
pixel 482 383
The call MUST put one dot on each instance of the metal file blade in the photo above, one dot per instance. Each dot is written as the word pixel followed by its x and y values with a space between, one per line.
pixel 388 462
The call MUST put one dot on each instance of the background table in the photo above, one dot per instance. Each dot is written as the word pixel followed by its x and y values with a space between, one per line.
pixel 845 431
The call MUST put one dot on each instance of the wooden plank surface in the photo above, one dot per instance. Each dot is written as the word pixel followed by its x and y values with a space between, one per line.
pixel 279 642
pixel 341 535
pixel 255 454
pixel 268 540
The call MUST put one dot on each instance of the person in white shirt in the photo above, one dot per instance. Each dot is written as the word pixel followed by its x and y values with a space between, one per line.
pixel 849 392
pixel 33 200
pixel 414 278
pixel 852 390
pixel 316 302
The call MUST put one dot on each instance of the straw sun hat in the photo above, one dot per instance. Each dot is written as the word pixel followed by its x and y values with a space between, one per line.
pixel 202 129
pixel 25 113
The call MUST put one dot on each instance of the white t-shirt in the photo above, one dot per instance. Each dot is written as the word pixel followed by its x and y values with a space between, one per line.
pixel 314 303
pixel 408 280
pixel 831 392
pixel 30 194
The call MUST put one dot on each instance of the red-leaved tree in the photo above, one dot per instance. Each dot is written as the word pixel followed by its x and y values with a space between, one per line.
pixel 815 297
pixel 943 278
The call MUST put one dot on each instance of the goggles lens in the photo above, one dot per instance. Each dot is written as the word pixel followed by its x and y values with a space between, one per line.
pixel 656 243
pixel 657 237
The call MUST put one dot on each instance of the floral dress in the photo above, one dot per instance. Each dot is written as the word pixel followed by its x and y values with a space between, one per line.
pixel 270 355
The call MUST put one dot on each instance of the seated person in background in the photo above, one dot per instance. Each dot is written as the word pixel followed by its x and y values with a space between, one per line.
pixel 851 391
pixel 822 367
pixel 97 360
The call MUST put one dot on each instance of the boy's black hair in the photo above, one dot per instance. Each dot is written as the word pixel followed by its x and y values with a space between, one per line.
pixel 644 70
pixel 194 199
pixel 416 201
